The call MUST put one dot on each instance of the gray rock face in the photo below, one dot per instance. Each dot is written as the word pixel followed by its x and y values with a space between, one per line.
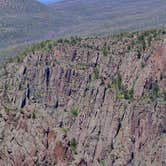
pixel 79 107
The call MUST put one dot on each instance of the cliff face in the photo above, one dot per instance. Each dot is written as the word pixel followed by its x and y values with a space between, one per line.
pixel 97 101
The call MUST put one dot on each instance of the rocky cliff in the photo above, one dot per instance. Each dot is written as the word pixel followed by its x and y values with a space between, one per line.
pixel 92 101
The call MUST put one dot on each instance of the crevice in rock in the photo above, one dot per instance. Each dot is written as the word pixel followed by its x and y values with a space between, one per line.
pixel 47 76
pixel 23 102
pixel 74 55
pixel 131 158
pixel 28 91
pixel 118 129
pixel 103 97
pixel 68 75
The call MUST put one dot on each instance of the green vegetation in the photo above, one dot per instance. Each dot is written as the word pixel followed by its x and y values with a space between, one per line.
pixel 71 40
pixel 21 111
pixel 73 145
pixel 75 39
pixel 46 47
pixel 101 162
pixel 105 49
pixel 145 38
pixel 65 110
pixel 95 74
pixel 142 65
pixel 128 47
pixel 75 112
pixel 114 157
pixel 116 83
pixel 125 94
pixel 8 87
pixel 141 41
pixel 34 115
pixel 138 54
pixel 128 94
pixel 7 109
pixel 164 96
pixel 154 92
pixel 65 130
pixel 121 91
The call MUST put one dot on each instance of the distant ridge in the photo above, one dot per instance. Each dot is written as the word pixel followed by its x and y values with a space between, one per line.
pixel 101 17
pixel 24 22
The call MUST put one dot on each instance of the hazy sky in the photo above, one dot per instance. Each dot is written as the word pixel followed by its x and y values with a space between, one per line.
pixel 48 1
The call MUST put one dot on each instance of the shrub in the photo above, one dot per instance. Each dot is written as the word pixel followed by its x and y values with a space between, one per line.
pixel 121 92
pixel 73 145
pixel 75 39
pixel 75 112
pixel 138 54
pixel 45 46
pixel 128 95
pixel 110 86
pixel 154 92
pixel 142 65
pixel 105 51
pixel 141 40
pixel 114 157
pixel 120 96
pixel 65 130
pixel 128 47
pixel 33 115
pixel 95 75
pixel 65 110
pixel 101 162
pixel 7 110
pixel 21 111
pixel 60 40
pixel 164 96
pixel 117 83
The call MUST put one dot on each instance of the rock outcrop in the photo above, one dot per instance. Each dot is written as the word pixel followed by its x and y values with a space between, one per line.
pixel 96 101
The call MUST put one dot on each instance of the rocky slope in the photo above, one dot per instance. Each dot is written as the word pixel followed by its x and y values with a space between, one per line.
pixel 23 22
pixel 92 101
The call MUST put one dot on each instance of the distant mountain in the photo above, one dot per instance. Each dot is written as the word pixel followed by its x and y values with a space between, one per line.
pixel 21 6
pixel 24 21
pixel 105 16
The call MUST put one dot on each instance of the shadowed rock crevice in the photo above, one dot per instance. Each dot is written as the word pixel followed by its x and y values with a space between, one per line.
pixel 47 76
